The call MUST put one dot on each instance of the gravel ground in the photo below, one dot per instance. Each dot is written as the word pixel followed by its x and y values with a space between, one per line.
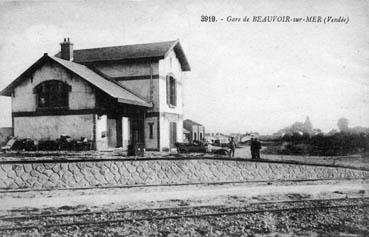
pixel 313 222
pixel 143 197
pixel 355 161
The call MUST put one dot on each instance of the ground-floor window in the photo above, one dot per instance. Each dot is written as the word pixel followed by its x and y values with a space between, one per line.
pixel 151 130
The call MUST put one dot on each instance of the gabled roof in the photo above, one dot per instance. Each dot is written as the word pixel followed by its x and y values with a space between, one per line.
pixel 130 52
pixel 189 121
pixel 111 88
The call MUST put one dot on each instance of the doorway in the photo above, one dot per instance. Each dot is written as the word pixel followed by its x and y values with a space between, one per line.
pixel 112 132
pixel 172 134
pixel 136 131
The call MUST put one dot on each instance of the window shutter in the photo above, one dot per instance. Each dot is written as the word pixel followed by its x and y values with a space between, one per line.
pixel 168 90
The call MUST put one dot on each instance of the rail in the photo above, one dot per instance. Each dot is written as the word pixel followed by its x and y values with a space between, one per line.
pixel 259 182
pixel 155 214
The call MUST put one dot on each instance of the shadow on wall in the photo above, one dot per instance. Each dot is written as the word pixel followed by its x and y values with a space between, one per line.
pixel 5 133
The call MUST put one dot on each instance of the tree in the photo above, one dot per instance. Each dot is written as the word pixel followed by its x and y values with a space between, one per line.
pixel 343 124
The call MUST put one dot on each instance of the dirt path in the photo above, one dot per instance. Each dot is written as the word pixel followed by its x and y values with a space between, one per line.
pixel 139 197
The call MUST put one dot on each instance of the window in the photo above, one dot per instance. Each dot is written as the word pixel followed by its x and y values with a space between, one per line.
pixel 52 94
pixel 171 91
pixel 151 130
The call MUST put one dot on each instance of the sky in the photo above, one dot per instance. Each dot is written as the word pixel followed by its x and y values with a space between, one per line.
pixel 246 76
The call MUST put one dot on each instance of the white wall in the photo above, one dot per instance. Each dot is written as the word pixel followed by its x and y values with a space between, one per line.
pixel 165 67
pixel 126 132
pixel 80 97
pixel 170 65
pixel 151 143
pixel 164 133
pixel 180 130
pixel 52 127
pixel 165 120
pixel 140 87
pixel 116 69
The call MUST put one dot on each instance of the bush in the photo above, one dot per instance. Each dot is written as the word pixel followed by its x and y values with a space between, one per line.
pixel 321 145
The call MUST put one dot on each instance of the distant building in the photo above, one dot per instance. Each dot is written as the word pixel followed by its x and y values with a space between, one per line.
pixel 217 138
pixel 196 130
pixel 186 135
pixel 297 128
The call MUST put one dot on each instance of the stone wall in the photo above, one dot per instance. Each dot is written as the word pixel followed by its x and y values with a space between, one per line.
pixel 81 174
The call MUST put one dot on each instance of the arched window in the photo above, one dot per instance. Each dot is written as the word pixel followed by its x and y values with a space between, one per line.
pixel 52 94
pixel 171 91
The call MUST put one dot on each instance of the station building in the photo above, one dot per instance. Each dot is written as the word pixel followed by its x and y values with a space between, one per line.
pixel 113 96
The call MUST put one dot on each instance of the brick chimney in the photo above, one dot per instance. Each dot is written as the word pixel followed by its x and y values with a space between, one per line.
pixel 66 50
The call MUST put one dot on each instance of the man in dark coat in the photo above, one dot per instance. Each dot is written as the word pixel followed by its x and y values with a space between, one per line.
pixel 255 147
pixel 252 148
pixel 232 146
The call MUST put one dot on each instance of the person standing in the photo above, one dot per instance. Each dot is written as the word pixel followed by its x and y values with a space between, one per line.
pixel 257 148
pixel 253 148
pixel 232 146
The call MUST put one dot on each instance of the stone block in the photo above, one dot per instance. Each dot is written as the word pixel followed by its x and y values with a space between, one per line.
pixel 18 169
pixel 56 168
pixel 40 168
pixel 48 173
pixel 27 168
pixel 49 165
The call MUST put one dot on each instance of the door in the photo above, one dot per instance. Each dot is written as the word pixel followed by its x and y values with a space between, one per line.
pixel 119 126
pixel 172 134
pixel 112 133
pixel 136 129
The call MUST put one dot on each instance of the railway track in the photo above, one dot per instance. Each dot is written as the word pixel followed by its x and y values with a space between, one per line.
pixel 258 182
pixel 65 220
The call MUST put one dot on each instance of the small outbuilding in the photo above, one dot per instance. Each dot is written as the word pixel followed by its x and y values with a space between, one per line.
pixel 196 131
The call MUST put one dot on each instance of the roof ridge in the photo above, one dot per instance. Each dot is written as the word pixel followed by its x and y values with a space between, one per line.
pixel 194 122
pixel 154 50
pixel 105 47
pixel 171 47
